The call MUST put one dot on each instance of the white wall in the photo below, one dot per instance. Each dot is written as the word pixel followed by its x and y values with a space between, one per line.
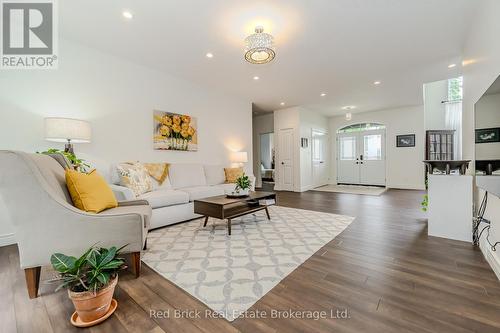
pixel 118 98
pixel 435 111
pixel 482 56
pixel 310 121
pixel 404 167
pixel 261 124
pixel 487 115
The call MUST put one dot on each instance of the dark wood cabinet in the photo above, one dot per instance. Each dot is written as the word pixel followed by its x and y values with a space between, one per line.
pixel 439 145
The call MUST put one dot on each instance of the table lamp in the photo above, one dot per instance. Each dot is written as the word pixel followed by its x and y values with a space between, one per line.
pixel 239 157
pixel 68 131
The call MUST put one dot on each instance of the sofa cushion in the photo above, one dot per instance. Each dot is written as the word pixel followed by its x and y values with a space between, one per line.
pixel 164 186
pixel 143 210
pixel 214 174
pixel 227 188
pixel 187 175
pixel 200 192
pixel 135 177
pixel 165 198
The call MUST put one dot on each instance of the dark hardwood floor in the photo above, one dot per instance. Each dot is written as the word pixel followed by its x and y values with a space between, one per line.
pixel 384 269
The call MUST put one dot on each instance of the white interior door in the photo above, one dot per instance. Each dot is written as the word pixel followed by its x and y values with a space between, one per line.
pixel 361 158
pixel 347 159
pixel 285 159
pixel 319 158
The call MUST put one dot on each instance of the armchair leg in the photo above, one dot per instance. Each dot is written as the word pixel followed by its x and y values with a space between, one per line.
pixel 32 276
pixel 136 261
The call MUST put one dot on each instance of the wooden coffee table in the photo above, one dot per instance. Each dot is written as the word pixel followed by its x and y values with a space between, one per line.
pixel 222 207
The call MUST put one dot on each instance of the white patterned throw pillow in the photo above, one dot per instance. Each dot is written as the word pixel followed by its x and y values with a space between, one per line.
pixel 135 177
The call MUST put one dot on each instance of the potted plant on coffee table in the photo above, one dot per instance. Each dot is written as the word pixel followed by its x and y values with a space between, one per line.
pixel 243 185
pixel 91 281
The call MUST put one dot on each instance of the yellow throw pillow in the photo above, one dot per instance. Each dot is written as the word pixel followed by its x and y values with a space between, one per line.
pixel 89 191
pixel 232 174
pixel 159 171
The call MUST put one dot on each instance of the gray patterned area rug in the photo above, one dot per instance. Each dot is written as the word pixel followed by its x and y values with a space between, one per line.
pixel 230 273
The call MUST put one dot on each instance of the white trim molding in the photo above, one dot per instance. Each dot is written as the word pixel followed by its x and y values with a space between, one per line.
pixel 491 257
pixel 7 239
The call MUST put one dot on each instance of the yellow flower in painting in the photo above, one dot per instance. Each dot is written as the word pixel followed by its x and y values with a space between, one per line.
pixel 186 119
pixel 166 120
pixel 184 133
pixel 190 131
pixel 176 119
pixel 165 130
pixel 176 128
pixel 185 126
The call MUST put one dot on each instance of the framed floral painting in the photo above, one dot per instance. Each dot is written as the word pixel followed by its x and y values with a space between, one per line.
pixel 173 131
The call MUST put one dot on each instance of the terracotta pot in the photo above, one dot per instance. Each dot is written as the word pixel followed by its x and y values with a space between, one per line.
pixel 92 306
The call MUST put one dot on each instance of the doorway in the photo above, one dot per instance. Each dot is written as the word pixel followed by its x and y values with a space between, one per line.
pixel 319 141
pixel 361 154
pixel 267 163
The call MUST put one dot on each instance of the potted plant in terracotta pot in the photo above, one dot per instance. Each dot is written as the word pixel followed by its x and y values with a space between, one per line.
pixel 91 281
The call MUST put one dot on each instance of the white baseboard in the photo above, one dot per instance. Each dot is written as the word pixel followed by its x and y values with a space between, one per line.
pixel 406 186
pixel 7 239
pixel 307 188
pixel 491 257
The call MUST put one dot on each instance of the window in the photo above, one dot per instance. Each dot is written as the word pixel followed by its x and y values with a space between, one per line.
pixel 347 148
pixel 455 90
pixel 373 147
pixel 317 150
pixel 361 127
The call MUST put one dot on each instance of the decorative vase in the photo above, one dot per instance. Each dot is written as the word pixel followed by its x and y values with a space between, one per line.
pixel 91 306
pixel 242 192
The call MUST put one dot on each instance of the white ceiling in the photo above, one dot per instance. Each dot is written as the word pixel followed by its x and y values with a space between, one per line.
pixel 335 46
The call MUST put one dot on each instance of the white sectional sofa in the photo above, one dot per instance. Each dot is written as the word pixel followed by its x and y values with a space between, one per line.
pixel 172 202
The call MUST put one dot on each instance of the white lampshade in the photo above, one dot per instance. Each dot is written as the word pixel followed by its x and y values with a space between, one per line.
pixel 64 129
pixel 239 157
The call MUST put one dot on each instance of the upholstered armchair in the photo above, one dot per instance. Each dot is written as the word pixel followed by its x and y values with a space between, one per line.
pixel 33 187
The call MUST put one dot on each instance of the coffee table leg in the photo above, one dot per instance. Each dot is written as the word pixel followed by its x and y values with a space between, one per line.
pixel 267 213
pixel 206 220
pixel 229 227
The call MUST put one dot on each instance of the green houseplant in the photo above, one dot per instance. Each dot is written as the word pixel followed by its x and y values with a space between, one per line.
pixel 90 279
pixel 243 185
pixel 78 164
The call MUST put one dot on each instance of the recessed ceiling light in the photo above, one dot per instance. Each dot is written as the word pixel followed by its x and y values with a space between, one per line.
pixel 127 14
pixel 256 78
pixel 377 83
pixel 348 107
pixel 209 55
pixel 452 65
pixel 282 103
pixel 323 94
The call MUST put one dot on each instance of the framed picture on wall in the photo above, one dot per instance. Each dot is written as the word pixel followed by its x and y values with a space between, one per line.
pixel 487 135
pixel 174 131
pixel 407 140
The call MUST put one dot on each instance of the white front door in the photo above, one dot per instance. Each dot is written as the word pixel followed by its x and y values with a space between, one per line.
pixel 361 157
pixel 285 159
pixel 372 158
pixel 348 158
pixel 319 158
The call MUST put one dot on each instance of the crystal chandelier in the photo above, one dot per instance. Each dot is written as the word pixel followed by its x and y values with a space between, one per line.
pixel 259 47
